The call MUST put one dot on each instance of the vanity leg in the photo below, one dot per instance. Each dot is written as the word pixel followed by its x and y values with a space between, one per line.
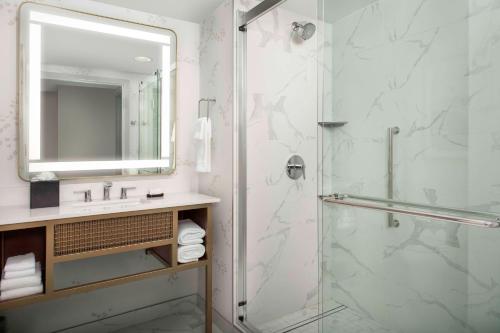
pixel 208 272
pixel 49 262
pixel 208 298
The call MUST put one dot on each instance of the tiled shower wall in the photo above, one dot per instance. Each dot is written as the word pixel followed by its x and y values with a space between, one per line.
pixel 430 68
pixel 483 288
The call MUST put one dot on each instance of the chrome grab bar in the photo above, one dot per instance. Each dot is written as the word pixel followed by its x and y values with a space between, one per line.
pixel 391 221
pixel 479 219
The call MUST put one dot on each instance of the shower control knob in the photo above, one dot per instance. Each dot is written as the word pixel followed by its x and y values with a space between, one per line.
pixel 295 167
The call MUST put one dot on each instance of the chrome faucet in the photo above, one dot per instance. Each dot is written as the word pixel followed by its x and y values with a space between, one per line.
pixel 87 193
pixel 124 192
pixel 107 187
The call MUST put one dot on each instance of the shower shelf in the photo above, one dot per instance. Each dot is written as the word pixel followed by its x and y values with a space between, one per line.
pixel 332 123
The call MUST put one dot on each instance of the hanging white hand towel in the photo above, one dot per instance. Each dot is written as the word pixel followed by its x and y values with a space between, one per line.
pixel 203 136
pixel 21 292
pixel 26 281
pixel 190 253
pixel 190 233
pixel 20 263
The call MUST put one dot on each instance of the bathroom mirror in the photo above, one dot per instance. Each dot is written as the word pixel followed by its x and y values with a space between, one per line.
pixel 97 95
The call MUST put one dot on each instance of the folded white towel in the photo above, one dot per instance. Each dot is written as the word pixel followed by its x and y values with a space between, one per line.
pixel 203 136
pixel 26 281
pixel 188 261
pixel 190 233
pixel 18 274
pixel 191 241
pixel 189 253
pixel 20 263
pixel 21 292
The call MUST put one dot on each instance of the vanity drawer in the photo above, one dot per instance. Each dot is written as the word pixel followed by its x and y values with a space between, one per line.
pixel 102 234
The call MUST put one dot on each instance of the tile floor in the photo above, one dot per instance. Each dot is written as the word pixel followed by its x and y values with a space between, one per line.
pixel 343 321
pixel 187 322
pixel 184 315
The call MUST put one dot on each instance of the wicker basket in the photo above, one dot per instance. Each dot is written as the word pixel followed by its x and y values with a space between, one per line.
pixel 95 235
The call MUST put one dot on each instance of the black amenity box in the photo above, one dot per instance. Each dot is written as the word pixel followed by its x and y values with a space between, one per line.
pixel 44 194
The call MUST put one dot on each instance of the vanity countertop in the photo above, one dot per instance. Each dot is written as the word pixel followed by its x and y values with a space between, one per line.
pixel 23 214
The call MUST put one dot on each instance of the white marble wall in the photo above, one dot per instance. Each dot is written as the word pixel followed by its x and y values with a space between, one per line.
pixel 216 79
pixel 13 191
pixel 281 120
pixel 428 67
pixel 483 303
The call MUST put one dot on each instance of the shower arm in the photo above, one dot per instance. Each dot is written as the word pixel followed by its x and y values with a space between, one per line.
pixel 478 219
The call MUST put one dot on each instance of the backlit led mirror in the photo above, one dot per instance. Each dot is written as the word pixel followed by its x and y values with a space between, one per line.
pixel 97 95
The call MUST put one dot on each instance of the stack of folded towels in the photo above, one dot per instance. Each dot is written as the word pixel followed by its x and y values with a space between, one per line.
pixel 190 241
pixel 21 277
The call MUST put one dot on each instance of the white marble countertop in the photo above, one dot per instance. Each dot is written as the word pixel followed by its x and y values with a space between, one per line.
pixel 23 214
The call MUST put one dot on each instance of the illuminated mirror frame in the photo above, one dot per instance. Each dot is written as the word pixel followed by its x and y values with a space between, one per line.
pixel 30 69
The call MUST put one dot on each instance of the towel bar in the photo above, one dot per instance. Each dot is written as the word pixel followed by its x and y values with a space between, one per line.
pixel 478 219
pixel 208 100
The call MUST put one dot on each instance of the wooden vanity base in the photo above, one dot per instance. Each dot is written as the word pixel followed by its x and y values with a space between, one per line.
pixel 63 240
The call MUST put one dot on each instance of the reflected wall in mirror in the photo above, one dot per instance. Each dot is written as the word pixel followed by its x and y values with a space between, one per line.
pixel 97 95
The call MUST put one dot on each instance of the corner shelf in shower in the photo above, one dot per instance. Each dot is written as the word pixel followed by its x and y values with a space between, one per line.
pixel 332 124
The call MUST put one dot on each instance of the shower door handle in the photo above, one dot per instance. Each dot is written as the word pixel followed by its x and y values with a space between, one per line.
pixel 391 221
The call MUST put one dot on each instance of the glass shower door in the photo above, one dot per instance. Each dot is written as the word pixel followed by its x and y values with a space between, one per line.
pixel 410 117
pixel 278 274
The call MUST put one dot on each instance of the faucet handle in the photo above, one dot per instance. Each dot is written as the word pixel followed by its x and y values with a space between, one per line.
pixel 124 192
pixel 87 193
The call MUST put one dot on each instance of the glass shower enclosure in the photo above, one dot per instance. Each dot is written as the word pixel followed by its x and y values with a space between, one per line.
pixel 367 158
pixel 410 214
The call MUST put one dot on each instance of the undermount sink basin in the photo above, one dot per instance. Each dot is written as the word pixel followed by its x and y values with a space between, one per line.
pixel 130 201
pixel 101 205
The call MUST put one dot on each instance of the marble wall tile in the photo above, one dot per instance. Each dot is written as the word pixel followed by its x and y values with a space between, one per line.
pixel 216 81
pixel 483 306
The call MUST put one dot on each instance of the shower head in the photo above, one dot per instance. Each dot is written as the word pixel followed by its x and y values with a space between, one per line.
pixel 304 31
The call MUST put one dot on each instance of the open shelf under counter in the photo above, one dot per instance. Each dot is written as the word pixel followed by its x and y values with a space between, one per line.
pixel 71 236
